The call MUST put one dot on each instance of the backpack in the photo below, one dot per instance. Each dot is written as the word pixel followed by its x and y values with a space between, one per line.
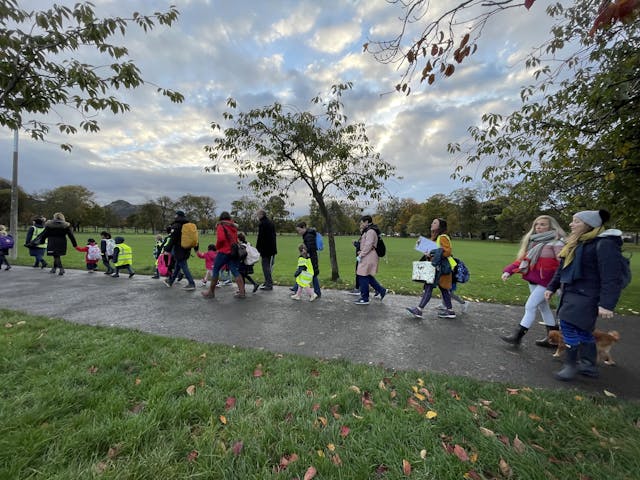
pixel 6 241
pixel 110 246
pixel 319 241
pixel 94 253
pixel 164 261
pixel 189 235
pixel 381 248
pixel 461 272
pixel 252 255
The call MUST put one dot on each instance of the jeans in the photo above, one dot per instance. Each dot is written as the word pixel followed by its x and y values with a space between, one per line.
pixel 184 266
pixel 267 268
pixel 365 281
pixel 426 296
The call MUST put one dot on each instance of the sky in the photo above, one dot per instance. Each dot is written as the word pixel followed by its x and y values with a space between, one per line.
pixel 259 52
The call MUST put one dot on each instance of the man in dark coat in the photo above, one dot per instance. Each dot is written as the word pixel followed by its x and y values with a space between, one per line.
pixel 266 245
pixel 181 255
pixel 309 240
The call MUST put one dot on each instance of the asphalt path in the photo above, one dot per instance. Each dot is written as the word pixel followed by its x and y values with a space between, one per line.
pixel 332 327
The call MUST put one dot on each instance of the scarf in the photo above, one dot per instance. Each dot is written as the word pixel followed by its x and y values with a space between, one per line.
pixel 537 241
pixel 568 252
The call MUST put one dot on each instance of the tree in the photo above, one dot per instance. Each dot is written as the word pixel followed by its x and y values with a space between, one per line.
pixel 167 209
pixel 574 142
pixel 74 201
pixel 408 208
pixel 150 215
pixel 277 149
pixel 39 70
pixel 201 209
pixel 276 211
pixel 446 37
pixel 244 211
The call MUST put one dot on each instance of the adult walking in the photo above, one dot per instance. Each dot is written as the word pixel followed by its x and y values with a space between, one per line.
pixel 179 253
pixel 309 239
pixel 367 258
pixel 443 256
pixel 266 245
pixel 589 275
pixel 537 261
pixel 55 234
pixel 226 236
pixel 36 250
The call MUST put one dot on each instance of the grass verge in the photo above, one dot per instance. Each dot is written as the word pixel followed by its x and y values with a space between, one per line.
pixel 87 402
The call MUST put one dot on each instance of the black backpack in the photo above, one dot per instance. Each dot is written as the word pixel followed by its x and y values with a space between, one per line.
pixel 381 248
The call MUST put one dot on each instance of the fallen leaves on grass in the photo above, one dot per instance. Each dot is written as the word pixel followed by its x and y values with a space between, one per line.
pixel 237 448
pixel 230 403
pixel 461 453
pixel 257 372
pixel 406 467
pixel 505 469
pixel 431 414
pixel 367 400
pixel 285 461
pixel 518 445
pixel 192 456
pixel 344 431
pixel 191 390
pixel 310 473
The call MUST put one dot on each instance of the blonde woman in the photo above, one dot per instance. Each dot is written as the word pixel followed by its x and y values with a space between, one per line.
pixel 537 261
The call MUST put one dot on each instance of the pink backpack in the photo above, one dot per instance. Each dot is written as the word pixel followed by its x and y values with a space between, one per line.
pixel 164 261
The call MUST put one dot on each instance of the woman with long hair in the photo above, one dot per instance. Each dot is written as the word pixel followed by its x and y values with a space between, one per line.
pixel 537 261
pixel 589 275
pixel 444 281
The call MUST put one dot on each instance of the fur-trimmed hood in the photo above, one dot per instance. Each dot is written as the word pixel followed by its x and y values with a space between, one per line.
pixel 57 224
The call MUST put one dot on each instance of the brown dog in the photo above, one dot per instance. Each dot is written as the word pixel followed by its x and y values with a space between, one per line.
pixel 604 342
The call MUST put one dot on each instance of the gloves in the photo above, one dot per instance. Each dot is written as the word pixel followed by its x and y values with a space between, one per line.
pixel 358 259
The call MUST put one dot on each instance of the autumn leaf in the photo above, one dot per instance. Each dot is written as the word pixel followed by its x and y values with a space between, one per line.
pixel 415 405
pixel 315 373
pixel 491 413
pixel 472 475
pixel 367 400
pixel 230 403
pixel 344 431
pixel 354 389
pixel 137 381
pixel 191 390
pixel 237 448
pixel 513 391
pixel 101 467
pixel 518 445
pixel 473 408
pixel 114 451
pixel 257 372
pixel 431 414
pixel 315 407
pixel 334 411
pixel 92 369
pixel 609 394
pixel 505 469
pixel 322 421
pixel 423 454
pixel 331 447
pixel 420 397
pixel 137 408
pixel 192 456
pixel 534 417
pixel 528 3
pixel 336 460
pixel 406 467
pixel 504 439
pixel 381 470
pixel 420 382
pixel 454 394
pixel 310 473
pixel 486 432
pixel 461 453
pixel 223 419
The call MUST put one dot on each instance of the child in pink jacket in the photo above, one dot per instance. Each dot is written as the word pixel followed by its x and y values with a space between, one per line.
pixel 209 257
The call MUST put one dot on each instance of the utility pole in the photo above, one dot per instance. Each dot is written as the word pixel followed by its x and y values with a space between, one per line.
pixel 13 221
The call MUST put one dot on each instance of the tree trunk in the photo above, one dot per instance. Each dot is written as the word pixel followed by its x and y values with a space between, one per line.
pixel 335 275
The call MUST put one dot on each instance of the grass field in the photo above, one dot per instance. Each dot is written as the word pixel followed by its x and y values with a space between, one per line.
pixel 79 402
pixel 485 260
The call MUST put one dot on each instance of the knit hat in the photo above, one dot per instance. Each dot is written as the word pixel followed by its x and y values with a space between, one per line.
pixel 179 213
pixel 590 217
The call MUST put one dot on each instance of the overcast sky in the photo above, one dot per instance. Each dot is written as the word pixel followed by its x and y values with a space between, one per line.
pixel 258 52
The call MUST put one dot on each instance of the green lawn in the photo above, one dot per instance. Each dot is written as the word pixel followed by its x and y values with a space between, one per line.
pixel 81 402
pixel 485 260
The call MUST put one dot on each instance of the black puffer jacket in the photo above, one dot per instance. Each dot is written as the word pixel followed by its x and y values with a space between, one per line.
pixel 55 232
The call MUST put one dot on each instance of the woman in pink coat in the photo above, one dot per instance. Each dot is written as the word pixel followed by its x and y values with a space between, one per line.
pixel 368 261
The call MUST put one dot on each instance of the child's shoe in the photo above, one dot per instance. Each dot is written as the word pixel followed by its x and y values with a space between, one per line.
pixel 313 297
pixel 132 274
pixel 295 297
pixel 115 275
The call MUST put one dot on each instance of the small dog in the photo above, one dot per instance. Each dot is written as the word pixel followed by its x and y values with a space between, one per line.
pixel 604 342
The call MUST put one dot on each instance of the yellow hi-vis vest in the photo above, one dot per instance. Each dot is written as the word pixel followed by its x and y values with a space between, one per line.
pixel 452 261
pixel 37 231
pixel 125 255
pixel 306 276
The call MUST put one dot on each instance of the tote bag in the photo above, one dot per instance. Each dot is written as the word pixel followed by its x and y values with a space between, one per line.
pixel 423 272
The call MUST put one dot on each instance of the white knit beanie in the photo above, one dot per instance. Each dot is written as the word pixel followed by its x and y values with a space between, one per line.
pixel 590 217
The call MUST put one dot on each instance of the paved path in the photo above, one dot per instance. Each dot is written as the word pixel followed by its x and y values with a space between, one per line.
pixel 332 327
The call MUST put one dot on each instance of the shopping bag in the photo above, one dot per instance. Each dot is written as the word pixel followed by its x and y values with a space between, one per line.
pixel 423 272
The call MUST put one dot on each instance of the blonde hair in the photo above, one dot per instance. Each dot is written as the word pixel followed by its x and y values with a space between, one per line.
pixel 302 248
pixel 59 216
pixel 553 226
pixel 3 229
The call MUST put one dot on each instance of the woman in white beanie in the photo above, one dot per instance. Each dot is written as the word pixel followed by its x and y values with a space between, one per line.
pixel 589 275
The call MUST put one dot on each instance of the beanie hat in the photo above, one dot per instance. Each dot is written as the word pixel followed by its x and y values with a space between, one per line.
pixel 180 213
pixel 590 217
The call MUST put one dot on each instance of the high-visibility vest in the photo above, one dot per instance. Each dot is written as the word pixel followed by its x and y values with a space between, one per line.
pixel 125 255
pixel 37 231
pixel 452 261
pixel 306 276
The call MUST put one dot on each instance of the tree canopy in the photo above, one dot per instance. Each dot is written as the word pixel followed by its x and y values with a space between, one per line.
pixel 277 148
pixel 39 69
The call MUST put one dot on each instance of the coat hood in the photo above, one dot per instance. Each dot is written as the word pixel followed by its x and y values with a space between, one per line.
pixel 119 240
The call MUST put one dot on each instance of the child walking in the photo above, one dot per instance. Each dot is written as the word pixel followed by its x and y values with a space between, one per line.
pixel 92 255
pixel 122 257
pixel 209 258
pixel 246 270
pixel 6 243
pixel 304 275
pixel 107 245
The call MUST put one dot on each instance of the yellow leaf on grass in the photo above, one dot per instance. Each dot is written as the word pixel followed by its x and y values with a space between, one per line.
pixel 406 467
pixel 320 453
pixel 578 398
pixel 355 389
pixel 191 389
pixel 223 419
pixel 431 414
pixel 423 454
pixel 486 432
pixel 331 447
pixel 421 382
pixel 505 469
pixel 609 394
pixel 422 398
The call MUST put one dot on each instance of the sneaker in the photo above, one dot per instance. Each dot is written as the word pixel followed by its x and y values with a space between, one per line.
pixel 190 286
pixel 255 288
pixel 265 287
pixel 361 301
pixel 155 277
pixel 355 291
pixel 383 294
pixel 447 314
pixel 115 275
pixel 227 282
pixel 132 274
pixel 313 297
pixel 167 283
pixel 203 284
pixel 294 297
pixel 415 311
pixel 293 289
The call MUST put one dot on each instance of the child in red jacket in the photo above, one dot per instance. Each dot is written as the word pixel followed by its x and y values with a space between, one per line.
pixel 209 257
pixel 92 255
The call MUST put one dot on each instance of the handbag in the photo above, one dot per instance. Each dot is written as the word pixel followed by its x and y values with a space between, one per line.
pixel 423 272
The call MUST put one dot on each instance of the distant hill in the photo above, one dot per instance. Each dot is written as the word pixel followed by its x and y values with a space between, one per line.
pixel 122 208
